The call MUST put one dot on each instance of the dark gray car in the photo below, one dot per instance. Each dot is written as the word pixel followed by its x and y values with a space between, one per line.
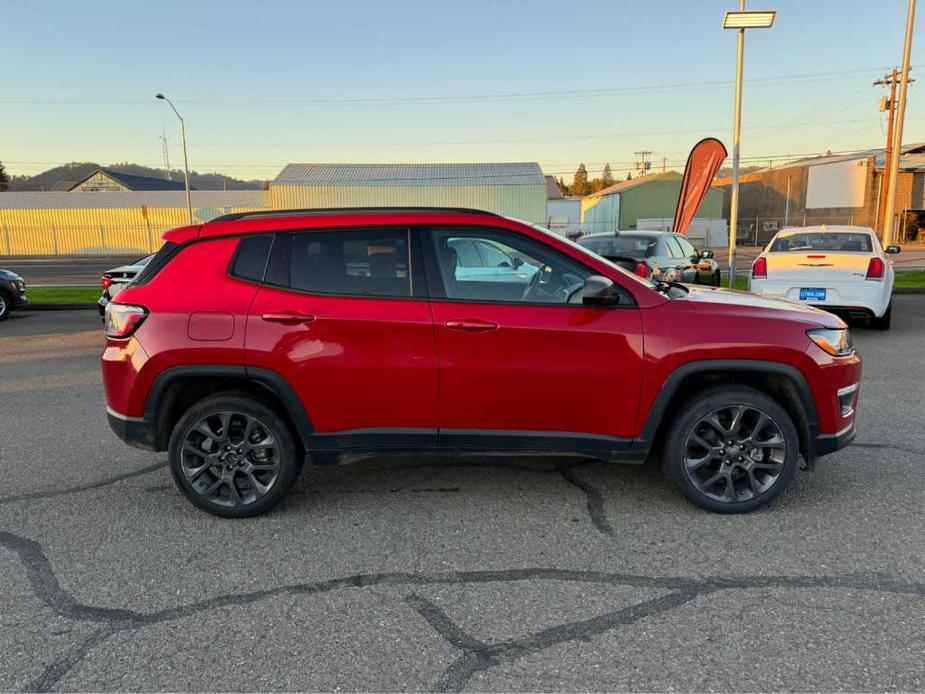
pixel 12 292
pixel 669 256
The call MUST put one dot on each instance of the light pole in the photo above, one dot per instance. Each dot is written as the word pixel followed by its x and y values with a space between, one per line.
pixel 741 21
pixel 888 221
pixel 189 205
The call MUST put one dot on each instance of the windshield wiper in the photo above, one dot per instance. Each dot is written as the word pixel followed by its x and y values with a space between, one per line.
pixel 666 286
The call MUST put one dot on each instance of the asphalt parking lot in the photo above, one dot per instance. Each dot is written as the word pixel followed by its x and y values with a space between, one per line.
pixel 484 574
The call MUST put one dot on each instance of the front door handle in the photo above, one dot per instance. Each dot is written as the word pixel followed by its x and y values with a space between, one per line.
pixel 288 318
pixel 471 325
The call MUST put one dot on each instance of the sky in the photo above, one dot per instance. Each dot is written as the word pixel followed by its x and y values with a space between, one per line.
pixel 261 84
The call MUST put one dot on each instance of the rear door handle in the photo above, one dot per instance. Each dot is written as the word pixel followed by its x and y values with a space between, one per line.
pixel 471 325
pixel 288 318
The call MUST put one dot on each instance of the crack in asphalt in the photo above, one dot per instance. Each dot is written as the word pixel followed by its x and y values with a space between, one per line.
pixel 476 655
pixel 595 499
pixel 51 493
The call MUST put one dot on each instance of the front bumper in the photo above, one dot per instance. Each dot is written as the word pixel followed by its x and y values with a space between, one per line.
pixel 823 444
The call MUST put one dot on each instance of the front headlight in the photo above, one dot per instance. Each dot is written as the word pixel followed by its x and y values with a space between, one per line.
pixel 835 341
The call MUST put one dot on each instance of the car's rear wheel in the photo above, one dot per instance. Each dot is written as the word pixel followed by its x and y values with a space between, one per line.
pixel 732 450
pixel 884 321
pixel 5 305
pixel 233 456
pixel 717 279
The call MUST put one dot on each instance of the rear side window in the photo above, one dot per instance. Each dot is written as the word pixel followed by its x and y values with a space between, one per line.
pixel 157 262
pixel 368 262
pixel 250 260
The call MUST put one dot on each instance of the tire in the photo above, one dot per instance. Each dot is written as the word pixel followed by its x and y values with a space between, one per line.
pixel 717 279
pixel 749 473
pixel 884 321
pixel 221 472
pixel 6 305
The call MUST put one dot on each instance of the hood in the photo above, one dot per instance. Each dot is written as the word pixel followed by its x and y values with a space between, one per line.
pixel 733 299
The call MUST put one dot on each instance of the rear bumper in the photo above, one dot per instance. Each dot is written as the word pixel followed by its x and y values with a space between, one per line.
pixel 871 298
pixel 823 444
pixel 134 431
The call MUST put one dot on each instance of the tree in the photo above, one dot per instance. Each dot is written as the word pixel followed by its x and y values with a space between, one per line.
pixel 608 176
pixel 580 185
pixel 4 179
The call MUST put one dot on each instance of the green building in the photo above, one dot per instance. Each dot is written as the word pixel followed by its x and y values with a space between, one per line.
pixel 622 205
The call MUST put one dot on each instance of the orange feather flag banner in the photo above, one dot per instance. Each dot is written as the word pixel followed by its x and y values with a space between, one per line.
pixel 702 165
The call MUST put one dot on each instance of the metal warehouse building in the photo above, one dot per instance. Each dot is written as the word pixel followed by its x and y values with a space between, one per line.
pixel 511 189
pixel 131 222
pixel 624 205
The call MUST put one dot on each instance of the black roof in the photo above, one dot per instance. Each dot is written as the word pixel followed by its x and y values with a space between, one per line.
pixel 627 232
pixel 341 210
pixel 134 182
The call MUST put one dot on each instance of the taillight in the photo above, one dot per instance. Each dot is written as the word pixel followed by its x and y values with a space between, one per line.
pixel 106 281
pixel 123 319
pixel 643 269
pixel 760 267
pixel 875 269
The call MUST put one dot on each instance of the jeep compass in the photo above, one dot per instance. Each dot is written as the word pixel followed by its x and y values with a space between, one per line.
pixel 257 342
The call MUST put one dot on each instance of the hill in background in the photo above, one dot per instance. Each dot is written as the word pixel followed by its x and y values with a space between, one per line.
pixel 76 171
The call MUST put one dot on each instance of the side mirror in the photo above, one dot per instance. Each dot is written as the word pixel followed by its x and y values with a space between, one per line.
pixel 893 250
pixel 706 254
pixel 517 262
pixel 600 291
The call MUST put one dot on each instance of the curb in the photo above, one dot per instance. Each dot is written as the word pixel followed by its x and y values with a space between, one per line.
pixel 909 290
pixel 57 307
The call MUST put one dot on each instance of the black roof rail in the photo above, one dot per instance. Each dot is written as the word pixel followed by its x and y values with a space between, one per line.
pixel 340 210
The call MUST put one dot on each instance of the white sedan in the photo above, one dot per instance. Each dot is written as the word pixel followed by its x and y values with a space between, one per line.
pixel 843 269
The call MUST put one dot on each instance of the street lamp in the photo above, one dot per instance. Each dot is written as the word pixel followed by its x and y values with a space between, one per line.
pixel 189 205
pixel 740 21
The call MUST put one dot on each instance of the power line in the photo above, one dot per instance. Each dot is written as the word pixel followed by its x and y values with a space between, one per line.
pixel 449 98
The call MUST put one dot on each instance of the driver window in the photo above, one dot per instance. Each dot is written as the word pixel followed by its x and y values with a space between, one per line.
pixel 515 268
pixel 686 248
pixel 674 250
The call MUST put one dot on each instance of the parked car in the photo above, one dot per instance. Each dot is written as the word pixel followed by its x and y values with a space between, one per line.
pixel 12 292
pixel 480 259
pixel 257 341
pixel 842 269
pixel 115 280
pixel 659 254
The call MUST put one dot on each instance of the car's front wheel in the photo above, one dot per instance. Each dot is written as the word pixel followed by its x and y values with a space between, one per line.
pixel 5 305
pixel 233 456
pixel 732 450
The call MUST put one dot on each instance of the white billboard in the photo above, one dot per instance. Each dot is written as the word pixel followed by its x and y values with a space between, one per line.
pixel 836 185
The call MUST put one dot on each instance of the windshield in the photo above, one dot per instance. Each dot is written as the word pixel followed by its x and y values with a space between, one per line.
pixel 624 245
pixel 836 242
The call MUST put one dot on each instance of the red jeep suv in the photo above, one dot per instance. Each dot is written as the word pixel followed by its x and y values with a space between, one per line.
pixel 257 341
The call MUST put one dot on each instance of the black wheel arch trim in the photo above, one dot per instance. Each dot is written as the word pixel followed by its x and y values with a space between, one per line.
pixel 156 409
pixel 657 412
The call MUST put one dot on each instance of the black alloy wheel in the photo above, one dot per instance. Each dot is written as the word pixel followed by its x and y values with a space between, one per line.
pixel 732 450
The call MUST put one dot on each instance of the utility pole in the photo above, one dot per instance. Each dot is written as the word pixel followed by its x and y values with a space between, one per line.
pixel 664 164
pixel 898 131
pixel 166 157
pixel 642 163
pixel 887 104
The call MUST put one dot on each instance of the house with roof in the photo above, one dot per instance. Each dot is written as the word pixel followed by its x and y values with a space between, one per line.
pixel 513 189
pixel 109 181
pixel 649 202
